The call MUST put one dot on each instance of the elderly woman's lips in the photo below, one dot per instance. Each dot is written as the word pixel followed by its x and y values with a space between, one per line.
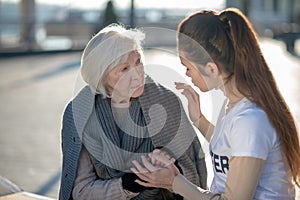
pixel 137 86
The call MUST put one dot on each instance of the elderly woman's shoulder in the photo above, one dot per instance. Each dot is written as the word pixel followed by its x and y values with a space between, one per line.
pixel 82 101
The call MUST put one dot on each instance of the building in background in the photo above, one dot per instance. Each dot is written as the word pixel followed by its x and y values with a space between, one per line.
pixel 28 25
pixel 273 18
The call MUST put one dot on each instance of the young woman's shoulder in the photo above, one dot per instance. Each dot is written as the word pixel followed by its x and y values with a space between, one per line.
pixel 251 133
pixel 251 114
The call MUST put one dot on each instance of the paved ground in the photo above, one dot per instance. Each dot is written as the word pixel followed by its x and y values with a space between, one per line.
pixel 34 91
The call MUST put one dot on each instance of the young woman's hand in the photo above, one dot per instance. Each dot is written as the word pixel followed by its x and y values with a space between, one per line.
pixel 159 175
pixel 193 100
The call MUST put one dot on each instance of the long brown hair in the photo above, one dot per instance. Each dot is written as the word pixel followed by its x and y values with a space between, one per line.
pixel 231 42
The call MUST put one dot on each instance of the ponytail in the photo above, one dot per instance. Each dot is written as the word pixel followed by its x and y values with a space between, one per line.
pixel 254 80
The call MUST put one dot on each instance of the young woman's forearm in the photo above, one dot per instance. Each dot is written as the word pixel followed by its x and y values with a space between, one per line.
pixel 190 191
pixel 239 185
pixel 205 127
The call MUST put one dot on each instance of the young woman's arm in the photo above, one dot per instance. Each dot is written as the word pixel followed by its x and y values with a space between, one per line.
pixel 242 180
pixel 241 183
pixel 195 114
pixel 205 127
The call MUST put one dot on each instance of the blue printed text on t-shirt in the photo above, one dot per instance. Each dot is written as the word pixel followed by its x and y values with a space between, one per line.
pixel 220 163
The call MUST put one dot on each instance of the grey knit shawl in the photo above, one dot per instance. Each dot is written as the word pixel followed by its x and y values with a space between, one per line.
pixel 114 136
pixel 166 126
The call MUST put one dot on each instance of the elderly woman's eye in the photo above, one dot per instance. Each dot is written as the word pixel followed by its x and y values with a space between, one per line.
pixel 138 62
pixel 124 69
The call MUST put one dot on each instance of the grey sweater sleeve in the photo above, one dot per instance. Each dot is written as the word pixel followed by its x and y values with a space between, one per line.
pixel 87 186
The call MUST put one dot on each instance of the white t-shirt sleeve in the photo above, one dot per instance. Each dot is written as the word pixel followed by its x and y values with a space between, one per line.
pixel 251 135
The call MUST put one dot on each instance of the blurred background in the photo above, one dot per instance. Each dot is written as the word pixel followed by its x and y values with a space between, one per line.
pixel 42 25
pixel 40 48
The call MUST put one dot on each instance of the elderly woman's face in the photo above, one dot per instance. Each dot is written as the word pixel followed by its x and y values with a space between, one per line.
pixel 126 80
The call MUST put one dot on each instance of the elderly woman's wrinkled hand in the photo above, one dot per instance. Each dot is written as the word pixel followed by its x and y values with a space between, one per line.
pixel 157 170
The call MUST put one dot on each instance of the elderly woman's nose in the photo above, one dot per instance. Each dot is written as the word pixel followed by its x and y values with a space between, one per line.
pixel 137 72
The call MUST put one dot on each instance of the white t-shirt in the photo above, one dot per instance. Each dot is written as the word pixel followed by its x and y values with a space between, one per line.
pixel 246 131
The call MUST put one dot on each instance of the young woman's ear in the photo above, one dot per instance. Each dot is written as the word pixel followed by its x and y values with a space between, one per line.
pixel 212 69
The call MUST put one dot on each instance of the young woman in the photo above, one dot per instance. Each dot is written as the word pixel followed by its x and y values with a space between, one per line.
pixel 254 145
pixel 115 119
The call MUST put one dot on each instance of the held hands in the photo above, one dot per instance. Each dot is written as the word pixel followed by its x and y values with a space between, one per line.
pixel 193 101
pixel 128 183
pixel 158 170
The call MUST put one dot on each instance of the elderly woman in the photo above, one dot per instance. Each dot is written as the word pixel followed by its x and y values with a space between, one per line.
pixel 120 115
